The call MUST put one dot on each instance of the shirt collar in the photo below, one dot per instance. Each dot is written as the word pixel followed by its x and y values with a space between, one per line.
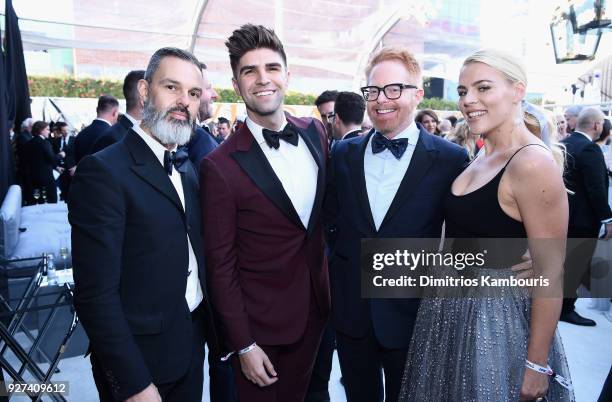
pixel 132 119
pixel 101 119
pixel 586 135
pixel 411 132
pixel 157 148
pixel 257 130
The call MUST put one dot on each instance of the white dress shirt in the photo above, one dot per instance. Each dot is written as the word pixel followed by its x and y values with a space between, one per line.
pixel 295 167
pixel 384 173
pixel 193 294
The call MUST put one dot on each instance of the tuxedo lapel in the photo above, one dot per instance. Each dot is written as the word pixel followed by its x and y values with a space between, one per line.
pixel 310 136
pixel 192 206
pixel 256 166
pixel 422 159
pixel 355 156
pixel 148 168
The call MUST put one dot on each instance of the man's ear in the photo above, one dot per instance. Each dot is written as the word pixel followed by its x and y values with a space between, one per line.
pixel 236 87
pixel 143 90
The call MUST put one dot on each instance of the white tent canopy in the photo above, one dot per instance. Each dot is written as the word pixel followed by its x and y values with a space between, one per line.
pixel 327 42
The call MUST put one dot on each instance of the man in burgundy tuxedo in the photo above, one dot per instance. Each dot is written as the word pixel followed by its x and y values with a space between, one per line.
pixel 262 191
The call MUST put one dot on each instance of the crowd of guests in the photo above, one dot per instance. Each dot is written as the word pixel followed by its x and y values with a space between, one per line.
pixel 231 249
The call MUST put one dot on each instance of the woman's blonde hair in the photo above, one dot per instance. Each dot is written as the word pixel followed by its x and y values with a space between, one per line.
pixel 461 136
pixel 515 71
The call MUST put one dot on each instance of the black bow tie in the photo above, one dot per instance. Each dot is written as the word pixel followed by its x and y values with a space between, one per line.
pixel 397 147
pixel 288 134
pixel 174 158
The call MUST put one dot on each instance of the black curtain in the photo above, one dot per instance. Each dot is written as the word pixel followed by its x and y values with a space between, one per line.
pixel 17 79
pixel 6 151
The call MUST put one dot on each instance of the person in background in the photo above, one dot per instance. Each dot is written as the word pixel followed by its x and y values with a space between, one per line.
pixel 429 120
pixel 107 114
pixel 224 127
pixel 366 124
pixel 325 106
pixel 561 126
pixel 461 136
pixel 348 114
pixel 445 127
pixel 132 115
pixel 42 161
pixel 571 115
pixel 64 142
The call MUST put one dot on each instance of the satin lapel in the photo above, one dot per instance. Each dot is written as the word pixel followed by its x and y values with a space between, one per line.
pixel 148 168
pixel 312 141
pixel 422 159
pixel 256 166
pixel 192 206
pixel 355 156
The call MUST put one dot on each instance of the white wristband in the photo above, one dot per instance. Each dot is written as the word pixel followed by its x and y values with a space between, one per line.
pixel 548 371
pixel 247 349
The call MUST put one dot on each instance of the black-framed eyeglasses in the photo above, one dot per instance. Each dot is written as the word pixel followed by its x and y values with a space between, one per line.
pixel 328 116
pixel 392 91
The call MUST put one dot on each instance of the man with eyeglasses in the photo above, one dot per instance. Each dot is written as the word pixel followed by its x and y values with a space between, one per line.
pixel 389 183
pixel 325 105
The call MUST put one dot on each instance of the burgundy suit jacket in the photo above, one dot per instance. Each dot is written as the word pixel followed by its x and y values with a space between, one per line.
pixel 263 265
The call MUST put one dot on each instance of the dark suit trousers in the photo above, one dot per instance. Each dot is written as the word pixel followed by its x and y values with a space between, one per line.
pixel 293 364
pixel 362 363
pixel 64 185
pixel 577 267
pixel 318 389
pixel 186 389
pixel 222 386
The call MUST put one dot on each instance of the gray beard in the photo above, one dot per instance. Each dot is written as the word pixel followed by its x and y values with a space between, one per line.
pixel 167 132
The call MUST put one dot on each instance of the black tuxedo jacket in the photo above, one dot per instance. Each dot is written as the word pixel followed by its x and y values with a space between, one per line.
pixel 41 162
pixel 201 144
pixel 416 211
pixel 113 134
pixel 86 139
pixel 130 256
pixel 352 134
pixel 68 161
pixel 586 176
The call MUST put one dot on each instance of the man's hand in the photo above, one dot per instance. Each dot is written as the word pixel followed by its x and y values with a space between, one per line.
pixel 149 394
pixel 60 169
pixel 608 234
pixel 524 269
pixel 72 170
pixel 257 367
pixel 62 154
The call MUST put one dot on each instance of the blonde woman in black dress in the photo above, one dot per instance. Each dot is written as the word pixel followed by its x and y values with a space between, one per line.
pixel 498 348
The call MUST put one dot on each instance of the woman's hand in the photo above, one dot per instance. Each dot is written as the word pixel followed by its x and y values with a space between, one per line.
pixel 535 385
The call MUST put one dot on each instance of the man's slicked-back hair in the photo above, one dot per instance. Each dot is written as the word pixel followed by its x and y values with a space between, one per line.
pixel 106 103
pixel 130 88
pixel 250 37
pixel 326 96
pixel 350 107
pixel 223 120
pixel 159 55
